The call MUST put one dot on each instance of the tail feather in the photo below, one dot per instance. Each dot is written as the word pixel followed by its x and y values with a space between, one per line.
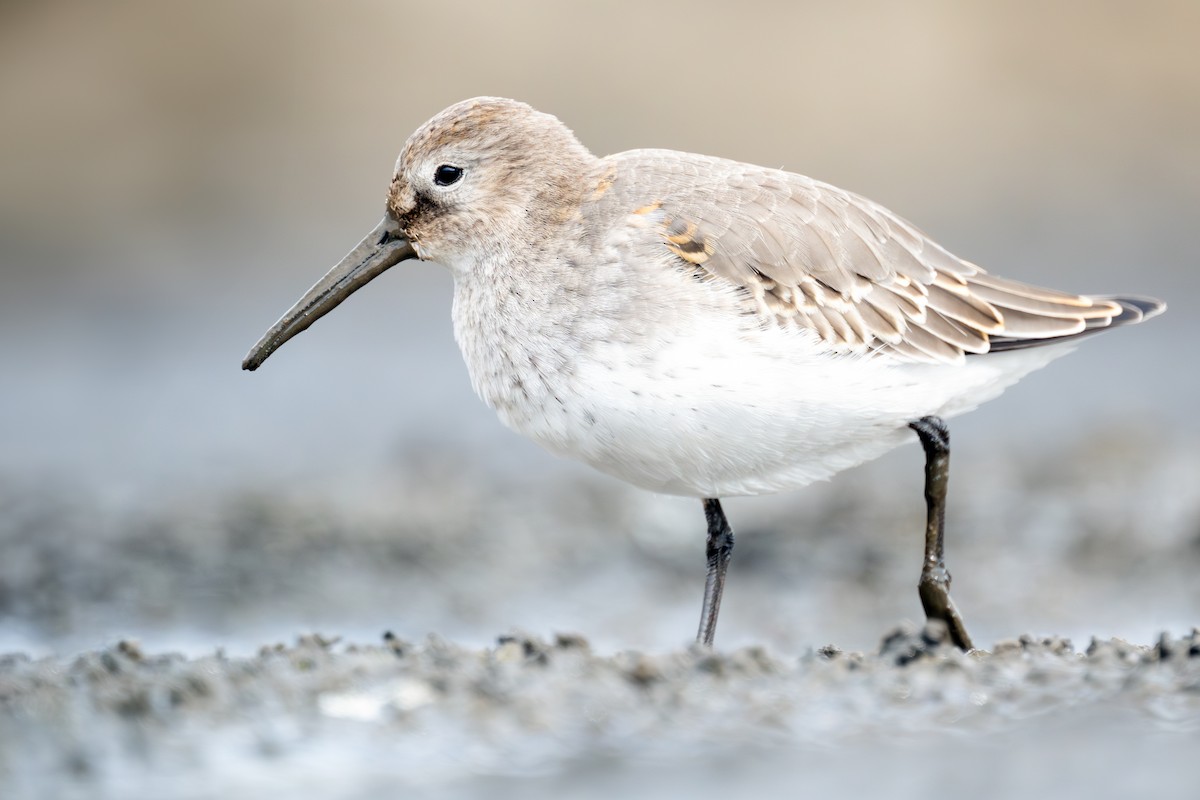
pixel 1133 310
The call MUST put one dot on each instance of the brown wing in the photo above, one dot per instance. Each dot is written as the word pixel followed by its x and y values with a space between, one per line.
pixel 862 278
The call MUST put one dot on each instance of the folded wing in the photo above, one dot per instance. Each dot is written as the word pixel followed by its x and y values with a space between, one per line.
pixel 860 277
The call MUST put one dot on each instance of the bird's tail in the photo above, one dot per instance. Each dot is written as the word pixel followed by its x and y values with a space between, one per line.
pixel 1133 310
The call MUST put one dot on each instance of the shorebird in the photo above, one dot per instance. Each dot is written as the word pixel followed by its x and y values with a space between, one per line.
pixel 698 326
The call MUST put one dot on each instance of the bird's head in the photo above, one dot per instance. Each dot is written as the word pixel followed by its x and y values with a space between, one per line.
pixel 482 178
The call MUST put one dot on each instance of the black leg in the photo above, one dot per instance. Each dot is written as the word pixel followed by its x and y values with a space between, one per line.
pixel 935 579
pixel 720 546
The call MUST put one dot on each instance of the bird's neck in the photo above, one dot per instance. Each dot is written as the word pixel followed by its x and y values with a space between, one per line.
pixel 517 321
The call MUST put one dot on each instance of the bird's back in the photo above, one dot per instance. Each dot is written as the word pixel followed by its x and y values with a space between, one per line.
pixel 861 278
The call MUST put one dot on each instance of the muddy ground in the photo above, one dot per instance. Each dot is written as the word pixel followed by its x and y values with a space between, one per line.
pixel 175 175
pixel 536 718
pixel 171 651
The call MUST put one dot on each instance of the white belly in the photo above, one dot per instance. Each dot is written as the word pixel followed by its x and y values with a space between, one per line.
pixel 723 412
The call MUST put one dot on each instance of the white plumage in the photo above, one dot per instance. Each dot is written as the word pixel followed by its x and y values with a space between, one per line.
pixel 698 326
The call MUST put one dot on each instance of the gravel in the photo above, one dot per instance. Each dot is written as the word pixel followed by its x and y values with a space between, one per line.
pixel 1098 542
pixel 534 717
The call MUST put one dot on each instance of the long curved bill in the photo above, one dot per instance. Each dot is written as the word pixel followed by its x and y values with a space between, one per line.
pixel 380 249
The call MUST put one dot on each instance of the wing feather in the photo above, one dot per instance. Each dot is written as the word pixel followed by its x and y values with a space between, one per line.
pixel 860 277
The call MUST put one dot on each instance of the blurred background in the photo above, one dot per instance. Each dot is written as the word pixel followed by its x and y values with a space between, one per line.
pixel 174 175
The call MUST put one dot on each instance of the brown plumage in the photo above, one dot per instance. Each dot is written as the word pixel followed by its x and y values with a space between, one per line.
pixel 699 326
pixel 862 278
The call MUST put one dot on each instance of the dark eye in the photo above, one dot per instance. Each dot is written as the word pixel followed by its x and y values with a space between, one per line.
pixel 447 174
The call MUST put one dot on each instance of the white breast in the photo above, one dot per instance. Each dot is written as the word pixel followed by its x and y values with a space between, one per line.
pixel 693 398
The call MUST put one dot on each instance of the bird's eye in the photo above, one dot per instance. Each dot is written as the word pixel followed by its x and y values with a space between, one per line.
pixel 447 174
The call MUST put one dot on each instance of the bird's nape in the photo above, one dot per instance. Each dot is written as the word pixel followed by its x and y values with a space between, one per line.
pixel 700 326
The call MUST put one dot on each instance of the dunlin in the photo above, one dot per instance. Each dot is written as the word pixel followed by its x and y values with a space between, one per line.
pixel 698 326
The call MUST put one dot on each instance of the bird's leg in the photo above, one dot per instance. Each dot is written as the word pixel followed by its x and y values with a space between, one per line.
pixel 935 579
pixel 720 546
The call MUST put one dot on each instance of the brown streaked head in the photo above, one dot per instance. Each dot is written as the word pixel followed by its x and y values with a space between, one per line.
pixel 483 173
pixel 478 172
